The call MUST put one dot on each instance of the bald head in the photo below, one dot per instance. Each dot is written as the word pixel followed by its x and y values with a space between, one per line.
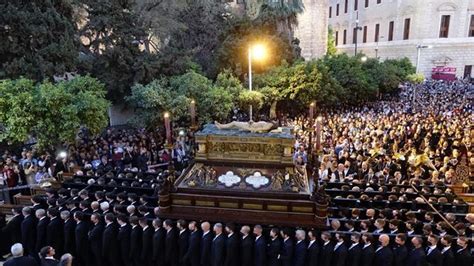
pixel 384 240
pixel 205 226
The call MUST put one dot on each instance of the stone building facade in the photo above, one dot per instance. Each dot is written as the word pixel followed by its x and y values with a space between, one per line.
pixel 394 29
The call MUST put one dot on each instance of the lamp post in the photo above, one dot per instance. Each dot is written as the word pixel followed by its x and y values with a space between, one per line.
pixel 377 47
pixel 255 52
pixel 419 47
pixel 357 29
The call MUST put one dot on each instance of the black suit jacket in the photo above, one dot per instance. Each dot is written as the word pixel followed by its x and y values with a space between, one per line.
pixel 286 253
pixel 41 233
pixel 95 240
pixel 232 256
pixel 273 250
pixel 246 251
pixel 110 245
pixel 206 244
pixel 135 243
pixel 367 256
pixel 259 252
pixel 448 257
pixel 312 254
pixel 13 229
pixel 171 248
pixel 383 257
pixel 81 242
pixel 147 246
pixel 434 258
pixel 218 250
pixel 339 255
pixel 192 256
pixel 49 262
pixel 400 254
pixel 123 239
pixel 416 257
pixel 21 261
pixel 326 254
pixel 353 255
pixel 55 234
pixel 299 255
pixel 183 241
pixel 69 231
pixel 28 234
pixel 463 258
pixel 159 246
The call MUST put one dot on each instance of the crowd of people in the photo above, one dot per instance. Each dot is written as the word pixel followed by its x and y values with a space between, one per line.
pixel 385 167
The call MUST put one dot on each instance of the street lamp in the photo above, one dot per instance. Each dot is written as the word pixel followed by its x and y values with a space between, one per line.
pixel 356 32
pixel 363 59
pixel 257 52
pixel 419 47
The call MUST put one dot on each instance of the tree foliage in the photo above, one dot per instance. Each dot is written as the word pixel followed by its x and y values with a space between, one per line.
pixel 38 39
pixel 331 50
pixel 51 112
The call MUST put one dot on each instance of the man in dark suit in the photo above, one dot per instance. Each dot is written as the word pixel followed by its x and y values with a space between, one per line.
pixel 135 242
pixel 274 248
pixel 95 239
pixel 18 258
pixel 171 244
pixel 354 251
pixel 326 250
pixel 246 247
pixel 218 246
pixel 183 241
pixel 259 250
pixel 286 253
pixel 192 256
pixel 206 244
pixel 12 230
pixel 55 232
pixel 462 257
pixel 146 254
pixel 47 256
pixel 433 255
pixel 123 239
pixel 299 255
pixel 110 247
pixel 232 247
pixel 158 242
pixel 368 252
pixel 447 251
pixel 28 231
pixel 312 253
pixel 340 251
pixel 417 256
pixel 41 229
pixel 68 232
pixel 81 239
pixel 400 251
pixel 383 254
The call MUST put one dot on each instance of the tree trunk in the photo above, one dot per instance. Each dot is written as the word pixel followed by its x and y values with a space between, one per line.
pixel 273 109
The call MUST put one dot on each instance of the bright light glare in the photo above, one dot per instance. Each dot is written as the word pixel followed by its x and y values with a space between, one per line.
pixel 258 52
pixel 364 58
pixel 62 154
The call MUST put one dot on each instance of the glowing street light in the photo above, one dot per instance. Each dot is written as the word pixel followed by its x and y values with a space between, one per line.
pixel 256 52
pixel 363 59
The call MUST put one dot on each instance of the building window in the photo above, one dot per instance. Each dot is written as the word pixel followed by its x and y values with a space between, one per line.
pixel 337 38
pixel 471 27
pixel 346 3
pixel 444 28
pixel 354 35
pixel 364 36
pixel 330 11
pixel 377 31
pixel 356 5
pixel 344 37
pixel 337 10
pixel 390 30
pixel 366 3
pixel 379 1
pixel 406 29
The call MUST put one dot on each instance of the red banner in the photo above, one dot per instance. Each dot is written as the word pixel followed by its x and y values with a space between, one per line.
pixel 443 69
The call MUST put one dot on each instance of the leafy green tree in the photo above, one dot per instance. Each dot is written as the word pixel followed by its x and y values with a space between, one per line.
pixel 228 82
pixel 51 112
pixel 38 39
pixel 416 78
pixel 331 50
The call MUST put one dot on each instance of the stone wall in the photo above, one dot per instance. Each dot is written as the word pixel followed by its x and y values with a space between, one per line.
pixel 312 29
